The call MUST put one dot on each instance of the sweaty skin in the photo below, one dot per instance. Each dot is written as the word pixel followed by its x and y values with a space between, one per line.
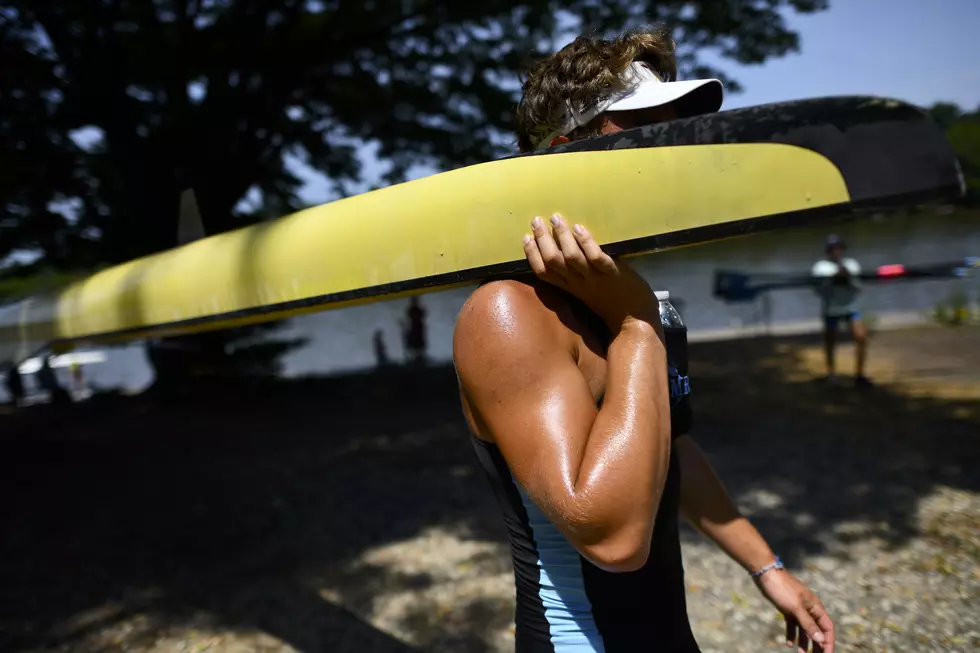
pixel 586 429
pixel 531 373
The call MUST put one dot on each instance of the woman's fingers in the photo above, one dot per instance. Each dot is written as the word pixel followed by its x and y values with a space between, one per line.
pixel 563 254
pixel 533 256
pixel 826 625
pixel 593 253
pixel 807 627
pixel 574 257
pixel 803 644
pixel 791 629
pixel 551 254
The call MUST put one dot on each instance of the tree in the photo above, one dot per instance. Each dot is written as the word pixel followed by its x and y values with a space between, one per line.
pixel 963 132
pixel 110 108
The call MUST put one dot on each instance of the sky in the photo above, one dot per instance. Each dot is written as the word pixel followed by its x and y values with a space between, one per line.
pixel 921 51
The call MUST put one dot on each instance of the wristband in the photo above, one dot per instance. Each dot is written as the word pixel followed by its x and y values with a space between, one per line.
pixel 778 564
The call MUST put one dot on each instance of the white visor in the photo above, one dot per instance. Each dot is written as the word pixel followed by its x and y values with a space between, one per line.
pixel 643 90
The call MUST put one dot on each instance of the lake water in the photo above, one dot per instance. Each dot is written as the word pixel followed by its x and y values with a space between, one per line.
pixel 341 339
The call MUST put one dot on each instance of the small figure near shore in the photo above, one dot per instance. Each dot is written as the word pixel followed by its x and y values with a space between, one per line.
pixel 414 330
pixel 48 381
pixel 839 292
pixel 77 376
pixel 380 349
pixel 14 383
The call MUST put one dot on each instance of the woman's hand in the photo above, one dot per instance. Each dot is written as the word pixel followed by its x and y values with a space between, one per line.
pixel 806 619
pixel 571 259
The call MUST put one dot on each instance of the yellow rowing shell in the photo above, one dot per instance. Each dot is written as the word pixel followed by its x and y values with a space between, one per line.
pixel 652 188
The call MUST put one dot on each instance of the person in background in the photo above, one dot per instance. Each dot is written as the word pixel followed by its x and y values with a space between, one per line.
pixel 415 340
pixel 839 291
pixel 380 350
pixel 15 385
pixel 48 381
pixel 77 377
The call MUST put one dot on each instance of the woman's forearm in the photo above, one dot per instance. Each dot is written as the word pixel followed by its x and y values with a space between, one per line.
pixel 706 504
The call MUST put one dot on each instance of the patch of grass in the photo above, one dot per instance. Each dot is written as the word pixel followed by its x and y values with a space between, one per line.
pixel 955 310
pixel 16 284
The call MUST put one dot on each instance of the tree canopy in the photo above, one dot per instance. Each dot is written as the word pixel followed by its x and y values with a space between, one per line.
pixel 963 132
pixel 110 108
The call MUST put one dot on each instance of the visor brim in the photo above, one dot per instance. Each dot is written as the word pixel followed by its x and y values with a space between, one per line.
pixel 692 97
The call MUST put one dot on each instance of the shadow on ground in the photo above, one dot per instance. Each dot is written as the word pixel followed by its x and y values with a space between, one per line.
pixel 813 461
pixel 224 512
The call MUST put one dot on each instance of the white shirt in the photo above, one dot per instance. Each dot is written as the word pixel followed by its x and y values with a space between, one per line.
pixel 839 298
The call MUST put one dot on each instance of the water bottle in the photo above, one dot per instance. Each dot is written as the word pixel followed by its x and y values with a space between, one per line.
pixel 675 340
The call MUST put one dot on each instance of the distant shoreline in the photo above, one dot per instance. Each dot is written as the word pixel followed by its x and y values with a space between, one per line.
pixel 886 321
pixel 883 322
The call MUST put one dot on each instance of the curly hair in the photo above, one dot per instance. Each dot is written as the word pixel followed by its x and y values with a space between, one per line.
pixel 582 72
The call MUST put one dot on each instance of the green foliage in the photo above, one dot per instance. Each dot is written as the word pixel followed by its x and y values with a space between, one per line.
pixel 111 108
pixel 945 114
pixel 23 281
pixel 955 310
pixel 212 95
pixel 963 131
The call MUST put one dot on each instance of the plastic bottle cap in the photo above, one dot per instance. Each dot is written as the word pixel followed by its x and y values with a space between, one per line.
pixel 662 294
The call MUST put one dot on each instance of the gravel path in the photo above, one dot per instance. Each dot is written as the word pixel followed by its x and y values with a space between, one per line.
pixel 310 520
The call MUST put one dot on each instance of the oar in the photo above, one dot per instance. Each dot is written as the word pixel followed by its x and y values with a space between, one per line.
pixel 734 286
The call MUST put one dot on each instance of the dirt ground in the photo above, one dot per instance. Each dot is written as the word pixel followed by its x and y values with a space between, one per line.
pixel 348 515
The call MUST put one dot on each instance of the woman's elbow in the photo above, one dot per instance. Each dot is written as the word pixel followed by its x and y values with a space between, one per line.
pixel 618 542
pixel 619 555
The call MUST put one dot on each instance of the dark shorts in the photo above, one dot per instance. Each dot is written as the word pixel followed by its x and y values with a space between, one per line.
pixel 832 321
